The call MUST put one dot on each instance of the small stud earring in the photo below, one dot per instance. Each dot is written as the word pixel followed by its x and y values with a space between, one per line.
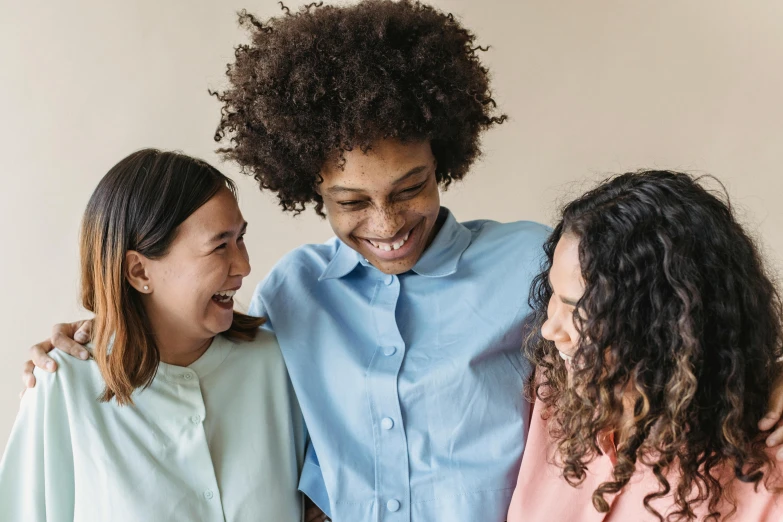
pixel 146 287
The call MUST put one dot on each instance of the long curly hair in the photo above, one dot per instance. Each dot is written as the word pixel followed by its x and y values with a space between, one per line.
pixel 323 80
pixel 678 314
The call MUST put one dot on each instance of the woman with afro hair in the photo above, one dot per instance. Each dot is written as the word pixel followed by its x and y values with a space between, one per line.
pixel 402 333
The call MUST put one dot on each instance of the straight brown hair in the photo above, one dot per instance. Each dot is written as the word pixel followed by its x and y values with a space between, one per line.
pixel 139 205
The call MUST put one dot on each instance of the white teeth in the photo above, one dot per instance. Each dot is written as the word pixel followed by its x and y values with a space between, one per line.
pixel 227 294
pixel 389 247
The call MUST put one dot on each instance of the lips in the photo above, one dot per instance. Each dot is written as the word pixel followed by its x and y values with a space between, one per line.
pixel 388 247
pixel 397 248
pixel 224 296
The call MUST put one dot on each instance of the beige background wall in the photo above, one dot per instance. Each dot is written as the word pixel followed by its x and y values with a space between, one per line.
pixel 592 87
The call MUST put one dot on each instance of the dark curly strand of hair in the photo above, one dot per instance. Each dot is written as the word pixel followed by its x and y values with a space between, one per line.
pixel 327 79
pixel 679 309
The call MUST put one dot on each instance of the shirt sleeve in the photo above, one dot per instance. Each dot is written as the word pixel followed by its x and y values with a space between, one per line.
pixel 311 482
pixel 258 307
pixel 36 472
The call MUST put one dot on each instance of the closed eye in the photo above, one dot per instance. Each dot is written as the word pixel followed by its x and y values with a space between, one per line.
pixel 412 189
pixel 351 204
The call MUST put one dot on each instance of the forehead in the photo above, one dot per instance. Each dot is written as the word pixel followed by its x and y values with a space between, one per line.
pixel 220 213
pixel 566 272
pixel 379 167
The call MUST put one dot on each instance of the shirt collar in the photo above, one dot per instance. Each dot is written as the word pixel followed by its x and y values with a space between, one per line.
pixel 343 262
pixel 439 259
pixel 445 251
pixel 209 360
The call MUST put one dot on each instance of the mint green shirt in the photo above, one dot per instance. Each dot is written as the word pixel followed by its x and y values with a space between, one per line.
pixel 220 440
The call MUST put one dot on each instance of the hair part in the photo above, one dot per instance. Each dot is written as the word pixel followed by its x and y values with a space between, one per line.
pixel 139 205
pixel 678 310
pixel 323 80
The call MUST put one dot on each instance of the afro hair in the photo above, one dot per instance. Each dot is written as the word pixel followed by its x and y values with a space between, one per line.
pixel 327 79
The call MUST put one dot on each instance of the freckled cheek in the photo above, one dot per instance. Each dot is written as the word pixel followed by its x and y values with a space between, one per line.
pixel 347 225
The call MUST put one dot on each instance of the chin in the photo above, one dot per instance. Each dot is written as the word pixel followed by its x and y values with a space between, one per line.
pixel 396 266
pixel 219 326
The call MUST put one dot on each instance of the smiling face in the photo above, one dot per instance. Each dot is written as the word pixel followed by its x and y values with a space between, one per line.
pixel 384 203
pixel 565 279
pixel 191 288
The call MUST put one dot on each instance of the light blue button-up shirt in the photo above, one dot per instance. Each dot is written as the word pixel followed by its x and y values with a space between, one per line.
pixel 412 385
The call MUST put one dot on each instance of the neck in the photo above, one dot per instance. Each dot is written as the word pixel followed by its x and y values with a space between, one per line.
pixel 174 347
pixel 181 352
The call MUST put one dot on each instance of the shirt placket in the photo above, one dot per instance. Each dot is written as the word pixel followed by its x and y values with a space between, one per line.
pixel 193 445
pixel 392 477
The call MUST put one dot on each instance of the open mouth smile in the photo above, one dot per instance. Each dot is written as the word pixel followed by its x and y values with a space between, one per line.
pixel 397 247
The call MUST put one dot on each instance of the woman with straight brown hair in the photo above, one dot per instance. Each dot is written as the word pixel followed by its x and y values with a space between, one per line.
pixel 185 410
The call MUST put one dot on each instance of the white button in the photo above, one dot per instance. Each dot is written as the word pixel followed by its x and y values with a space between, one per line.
pixel 389 279
pixel 393 505
pixel 389 351
pixel 187 376
pixel 387 423
pixel 208 494
pixel 195 419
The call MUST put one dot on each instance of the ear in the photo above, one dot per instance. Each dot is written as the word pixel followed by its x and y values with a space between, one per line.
pixel 136 272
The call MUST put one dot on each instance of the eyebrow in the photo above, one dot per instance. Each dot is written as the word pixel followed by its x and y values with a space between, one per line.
pixel 220 236
pixel 403 178
pixel 569 302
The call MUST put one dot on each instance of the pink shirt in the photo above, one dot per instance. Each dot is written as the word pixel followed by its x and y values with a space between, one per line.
pixel 542 495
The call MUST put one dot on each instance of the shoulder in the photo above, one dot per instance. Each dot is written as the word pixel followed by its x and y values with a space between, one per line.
pixel 264 340
pixel 264 348
pixel 307 258
pixel 302 266
pixel 73 378
pixel 516 244
pixel 525 232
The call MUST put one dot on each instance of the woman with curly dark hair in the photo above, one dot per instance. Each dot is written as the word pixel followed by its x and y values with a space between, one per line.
pixel 660 342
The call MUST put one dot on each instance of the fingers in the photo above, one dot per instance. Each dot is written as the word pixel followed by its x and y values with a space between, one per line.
pixel 28 379
pixel 38 354
pixel 63 339
pixel 768 422
pixel 774 409
pixel 315 515
pixel 84 333
pixel 776 439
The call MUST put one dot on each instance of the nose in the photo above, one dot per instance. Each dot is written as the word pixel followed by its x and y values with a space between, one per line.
pixel 386 222
pixel 240 261
pixel 552 330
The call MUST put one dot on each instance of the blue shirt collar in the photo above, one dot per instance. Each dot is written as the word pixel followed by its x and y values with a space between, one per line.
pixel 440 259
